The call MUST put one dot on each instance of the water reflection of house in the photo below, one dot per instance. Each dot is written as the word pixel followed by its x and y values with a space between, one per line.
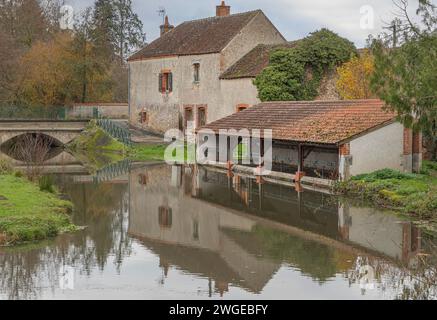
pixel 189 234
pixel 218 226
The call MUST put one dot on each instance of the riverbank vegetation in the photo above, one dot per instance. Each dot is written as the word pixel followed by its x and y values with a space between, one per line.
pixel 412 194
pixel 97 148
pixel 295 73
pixel 30 211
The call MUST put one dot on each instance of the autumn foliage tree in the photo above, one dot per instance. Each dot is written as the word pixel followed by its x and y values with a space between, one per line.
pixel 354 77
pixel 48 76
pixel 42 65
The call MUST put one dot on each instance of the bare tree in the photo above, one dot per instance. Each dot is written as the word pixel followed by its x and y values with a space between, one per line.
pixel 33 150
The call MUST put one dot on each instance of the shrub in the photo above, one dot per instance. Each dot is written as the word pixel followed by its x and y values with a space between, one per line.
pixel 384 174
pixel 5 166
pixel 18 174
pixel 295 73
pixel 428 166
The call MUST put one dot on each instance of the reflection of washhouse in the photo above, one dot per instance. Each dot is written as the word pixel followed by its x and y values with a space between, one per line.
pixel 235 231
pixel 316 212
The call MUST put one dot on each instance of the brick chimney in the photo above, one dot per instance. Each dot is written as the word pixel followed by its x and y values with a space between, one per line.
pixel 223 10
pixel 166 27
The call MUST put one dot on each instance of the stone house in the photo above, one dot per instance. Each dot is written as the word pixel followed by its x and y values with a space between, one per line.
pixel 323 140
pixel 187 76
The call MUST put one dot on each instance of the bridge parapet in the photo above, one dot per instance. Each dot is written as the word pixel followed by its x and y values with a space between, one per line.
pixel 61 130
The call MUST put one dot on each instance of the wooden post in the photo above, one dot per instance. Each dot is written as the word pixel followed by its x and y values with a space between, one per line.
pixel 229 162
pixel 300 165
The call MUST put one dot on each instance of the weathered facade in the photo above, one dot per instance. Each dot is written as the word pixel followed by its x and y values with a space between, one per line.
pixel 176 80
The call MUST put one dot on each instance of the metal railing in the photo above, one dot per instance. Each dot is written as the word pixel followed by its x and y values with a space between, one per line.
pixel 112 171
pixel 116 131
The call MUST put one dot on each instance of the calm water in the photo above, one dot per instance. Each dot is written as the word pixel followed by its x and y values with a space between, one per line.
pixel 162 232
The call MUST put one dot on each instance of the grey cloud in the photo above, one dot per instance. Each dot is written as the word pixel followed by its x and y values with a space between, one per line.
pixel 294 18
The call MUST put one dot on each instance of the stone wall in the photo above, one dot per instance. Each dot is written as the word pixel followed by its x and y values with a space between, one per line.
pixel 105 110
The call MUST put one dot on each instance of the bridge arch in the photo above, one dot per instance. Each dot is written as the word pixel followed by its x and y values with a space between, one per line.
pixel 63 131
pixel 15 136
pixel 27 145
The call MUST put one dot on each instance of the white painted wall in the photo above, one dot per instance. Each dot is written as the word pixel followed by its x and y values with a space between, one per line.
pixel 379 149
pixel 376 231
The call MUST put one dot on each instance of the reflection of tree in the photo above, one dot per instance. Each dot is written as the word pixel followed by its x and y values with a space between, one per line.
pixel 103 209
pixel 417 281
pixel 314 259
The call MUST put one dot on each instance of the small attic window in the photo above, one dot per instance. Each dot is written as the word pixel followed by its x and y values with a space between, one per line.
pixel 196 72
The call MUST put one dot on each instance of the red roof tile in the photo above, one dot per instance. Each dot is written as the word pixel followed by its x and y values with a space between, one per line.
pixel 324 122
pixel 210 35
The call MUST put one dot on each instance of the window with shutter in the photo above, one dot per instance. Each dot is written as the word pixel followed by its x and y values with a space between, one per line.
pixel 201 116
pixel 160 82
pixel 165 82
pixel 170 82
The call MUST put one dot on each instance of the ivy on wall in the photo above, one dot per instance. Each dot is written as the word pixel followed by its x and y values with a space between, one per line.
pixel 295 73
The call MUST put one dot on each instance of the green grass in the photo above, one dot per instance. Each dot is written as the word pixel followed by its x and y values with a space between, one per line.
pixel 29 214
pixel 157 152
pixel 415 194
pixel 147 152
pixel 96 139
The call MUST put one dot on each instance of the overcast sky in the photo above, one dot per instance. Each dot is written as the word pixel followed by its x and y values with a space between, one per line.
pixel 294 18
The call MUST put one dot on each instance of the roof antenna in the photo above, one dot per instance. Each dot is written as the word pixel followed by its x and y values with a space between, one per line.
pixel 162 13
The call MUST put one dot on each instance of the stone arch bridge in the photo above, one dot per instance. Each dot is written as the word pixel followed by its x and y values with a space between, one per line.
pixel 62 131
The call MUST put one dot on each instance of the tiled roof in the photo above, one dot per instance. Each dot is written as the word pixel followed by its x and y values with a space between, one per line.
pixel 251 65
pixel 210 35
pixel 322 122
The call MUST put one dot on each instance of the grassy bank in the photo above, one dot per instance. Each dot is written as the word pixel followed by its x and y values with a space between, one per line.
pixel 97 148
pixel 29 214
pixel 413 194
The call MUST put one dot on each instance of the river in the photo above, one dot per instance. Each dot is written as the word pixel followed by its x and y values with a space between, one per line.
pixel 155 231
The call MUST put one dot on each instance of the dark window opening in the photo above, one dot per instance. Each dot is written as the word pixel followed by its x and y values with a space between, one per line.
pixel 242 107
pixel 201 117
pixel 165 217
pixel 142 179
pixel 188 116
pixel 196 67
pixel 196 230
pixel 143 117
pixel 165 82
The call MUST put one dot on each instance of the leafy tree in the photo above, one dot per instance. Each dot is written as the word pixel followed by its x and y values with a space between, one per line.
pixel 9 58
pixel 128 29
pixel 47 77
pixel 354 77
pixel 90 70
pixel 117 27
pixel 102 28
pixel 406 76
pixel 295 73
